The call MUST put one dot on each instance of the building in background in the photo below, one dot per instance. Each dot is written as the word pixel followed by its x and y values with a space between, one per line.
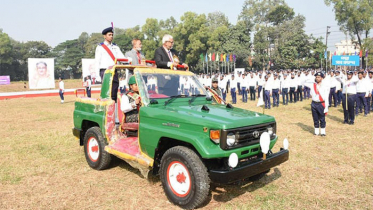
pixel 347 47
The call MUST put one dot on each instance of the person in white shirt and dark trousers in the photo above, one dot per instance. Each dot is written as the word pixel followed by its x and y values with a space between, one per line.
pixel 223 85
pixel 362 92
pixel 105 55
pixel 333 89
pixel 233 84
pixel 349 89
pixel 293 88
pixel 61 85
pixel 338 88
pixel 88 87
pixel 276 90
pixel 285 90
pixel 320 95
pixel 260 85
pixel 252 86
pixel 267 92
pixel 244 88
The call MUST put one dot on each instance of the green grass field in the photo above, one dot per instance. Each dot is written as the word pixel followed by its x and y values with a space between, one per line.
pixel 43 166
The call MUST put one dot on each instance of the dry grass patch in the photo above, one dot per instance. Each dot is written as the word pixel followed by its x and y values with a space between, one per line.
pixel 43 167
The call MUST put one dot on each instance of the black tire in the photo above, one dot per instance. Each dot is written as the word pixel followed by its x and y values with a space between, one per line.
pixel 94 149
pixel 258 176
pixel 179 160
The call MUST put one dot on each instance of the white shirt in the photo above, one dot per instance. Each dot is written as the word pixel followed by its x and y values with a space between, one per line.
pixel 293 82
pixel 300 80
pixel 244 82
pixel 350 85
pixel 261 81
pixel 276 84
pixel 125 105
pixel 123 83
pixel 61 85
pixel 252 82
pixel 222 83
pixel 103 59
pixel 323 90
pixel 89 83
pixel 363 87
pixel 285 83
pixel 268 86
pixel 233 83
pixel 370 81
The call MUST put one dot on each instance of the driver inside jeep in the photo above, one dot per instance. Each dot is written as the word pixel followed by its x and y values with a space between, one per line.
pixel 130 104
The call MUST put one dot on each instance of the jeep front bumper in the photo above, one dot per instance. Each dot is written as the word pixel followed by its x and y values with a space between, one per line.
pixel 253 168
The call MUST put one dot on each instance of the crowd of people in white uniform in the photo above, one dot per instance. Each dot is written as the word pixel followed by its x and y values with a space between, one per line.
pixel 290 85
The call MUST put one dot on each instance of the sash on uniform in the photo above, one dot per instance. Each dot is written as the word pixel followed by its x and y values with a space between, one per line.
pixel 320 97
pixel 108 51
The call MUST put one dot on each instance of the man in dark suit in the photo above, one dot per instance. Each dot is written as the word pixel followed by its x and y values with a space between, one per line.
pixel 165 56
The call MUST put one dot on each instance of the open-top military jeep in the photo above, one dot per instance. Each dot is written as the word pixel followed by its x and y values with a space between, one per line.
pixel 182 135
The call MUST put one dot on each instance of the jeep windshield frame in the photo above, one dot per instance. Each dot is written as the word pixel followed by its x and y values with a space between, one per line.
pixel 167 84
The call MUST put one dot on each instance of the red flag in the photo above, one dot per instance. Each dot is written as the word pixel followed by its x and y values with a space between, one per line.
pixel 230 58
pixel 335 52
pixel 361 53
pixel 213 57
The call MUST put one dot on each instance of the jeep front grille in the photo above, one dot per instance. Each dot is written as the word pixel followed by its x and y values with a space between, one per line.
pixel 246 136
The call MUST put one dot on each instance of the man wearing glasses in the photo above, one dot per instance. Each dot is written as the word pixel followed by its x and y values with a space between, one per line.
pixel 165 56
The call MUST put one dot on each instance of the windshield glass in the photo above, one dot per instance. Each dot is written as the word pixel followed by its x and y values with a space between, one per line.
pixel 157 85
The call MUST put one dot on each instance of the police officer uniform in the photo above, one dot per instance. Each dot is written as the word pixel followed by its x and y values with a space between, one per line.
pixel 349 89
pixel 275 91
pixel 320 103
pixel 267 92
pixel 105 55
pixel 293 88
pixel 285 84
pixel 233 85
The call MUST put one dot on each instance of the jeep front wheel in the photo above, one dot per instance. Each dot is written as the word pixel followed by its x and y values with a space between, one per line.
pixel 184 177
pixel 94 149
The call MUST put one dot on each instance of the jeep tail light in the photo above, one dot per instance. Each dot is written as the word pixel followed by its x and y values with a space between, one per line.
pixel 215 136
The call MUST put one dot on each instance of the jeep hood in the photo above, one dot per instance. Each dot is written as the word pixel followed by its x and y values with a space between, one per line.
pixel 218 116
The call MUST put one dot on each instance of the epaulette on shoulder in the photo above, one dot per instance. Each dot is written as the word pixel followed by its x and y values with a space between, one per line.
pixel 114 44
pixel 101 43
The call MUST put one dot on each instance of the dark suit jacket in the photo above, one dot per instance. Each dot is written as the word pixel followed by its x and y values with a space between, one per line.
pixel 161 57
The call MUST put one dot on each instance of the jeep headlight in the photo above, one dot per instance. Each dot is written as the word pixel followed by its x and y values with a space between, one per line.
pixel 270 130
pixel 231 139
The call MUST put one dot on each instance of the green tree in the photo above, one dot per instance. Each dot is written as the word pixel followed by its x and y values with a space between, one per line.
pixel 5 54
pixel 150 29
pixel 68 55
pixel 256 11
pixel 280 14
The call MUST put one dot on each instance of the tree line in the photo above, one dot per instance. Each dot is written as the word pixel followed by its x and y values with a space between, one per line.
pixel 267 34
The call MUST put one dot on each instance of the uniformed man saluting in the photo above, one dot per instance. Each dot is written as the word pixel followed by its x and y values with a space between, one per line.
pixel 320 102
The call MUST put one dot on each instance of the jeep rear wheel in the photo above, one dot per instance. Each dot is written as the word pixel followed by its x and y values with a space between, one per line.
pixel 94 149
pixel 184 177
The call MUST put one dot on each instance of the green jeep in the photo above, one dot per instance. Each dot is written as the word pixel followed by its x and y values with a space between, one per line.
pixel 182 134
